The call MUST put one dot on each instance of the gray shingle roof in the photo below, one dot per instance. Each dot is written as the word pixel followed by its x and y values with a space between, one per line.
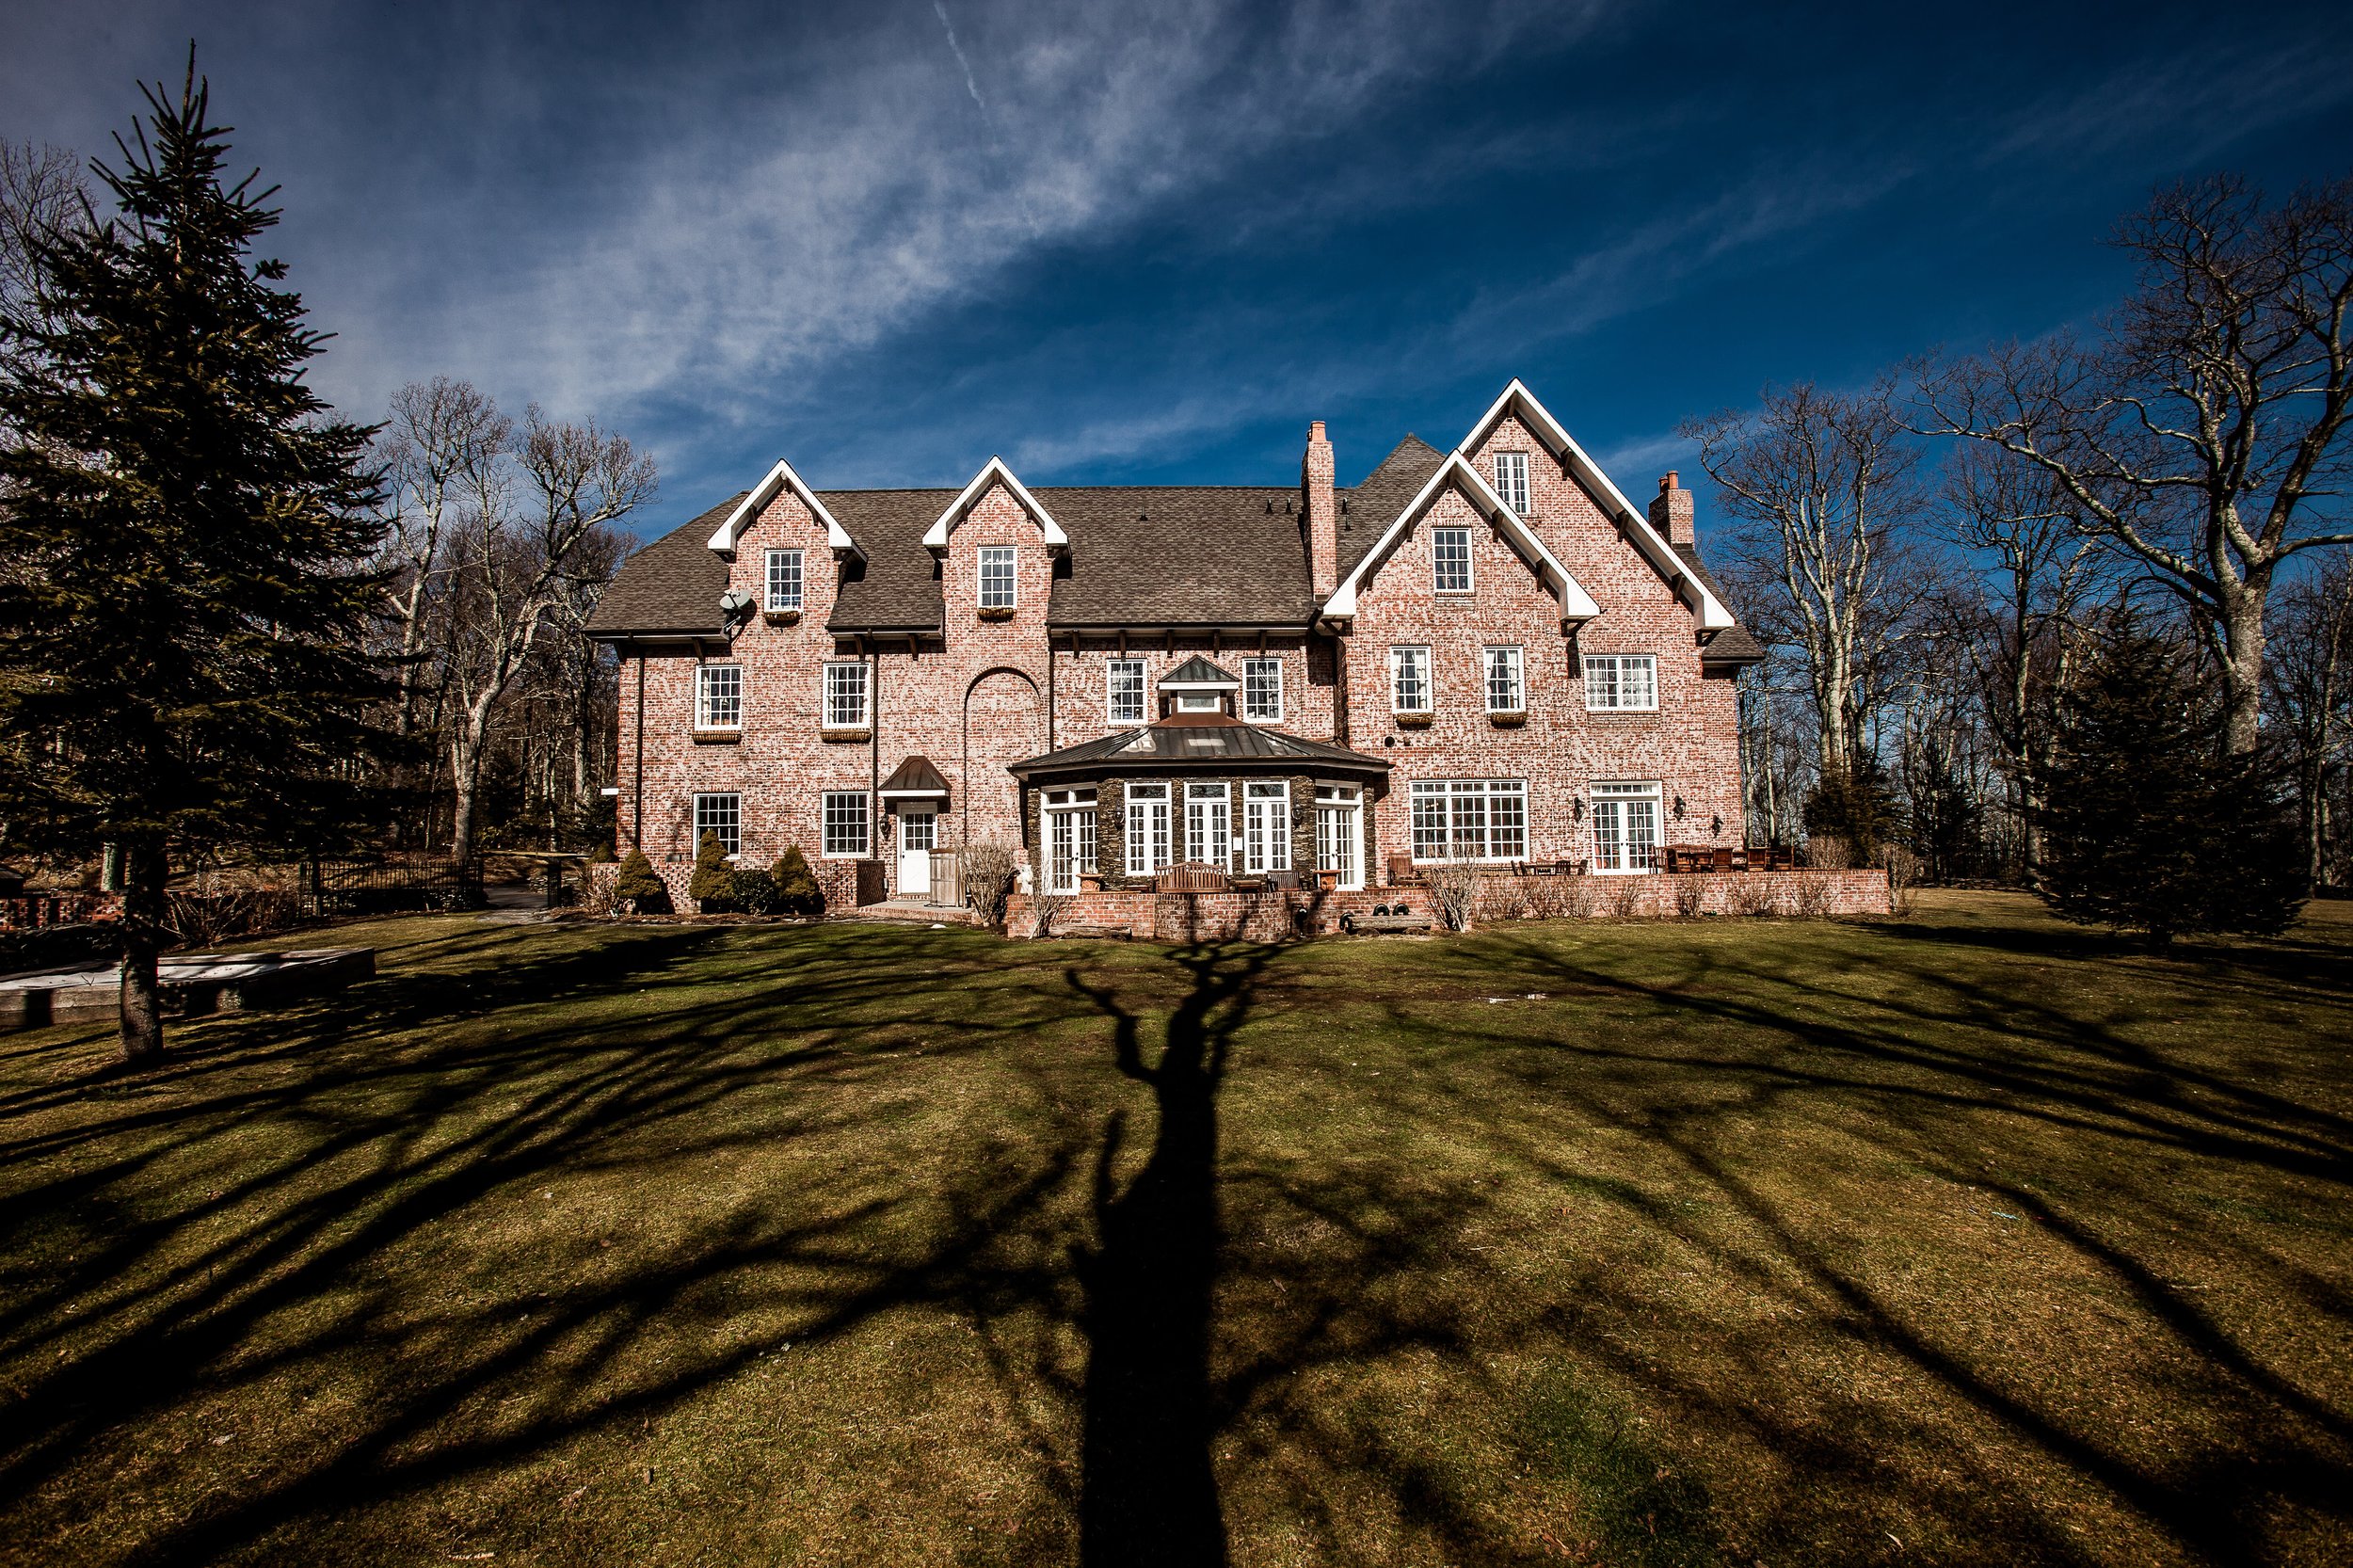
pixel 1735 643
pixel 1161 746
pixel 1372 506
pixel 1198 671
pixel 672 585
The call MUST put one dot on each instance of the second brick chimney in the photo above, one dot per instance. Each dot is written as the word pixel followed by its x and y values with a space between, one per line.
pixel 1323 514
pixel 1672 512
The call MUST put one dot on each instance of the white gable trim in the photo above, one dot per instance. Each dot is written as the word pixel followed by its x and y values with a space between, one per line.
pixel 1575 604
pixel 780 478
pixel 998 473
pixel 1713 616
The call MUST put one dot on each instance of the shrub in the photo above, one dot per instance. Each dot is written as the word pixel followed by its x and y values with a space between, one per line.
pixel 714 886
pixel 797 885
pixel 1690 892
pixel 1856 806
pixel 637 890
pixel 1454 891
pixel 1749 898
pixel 990 872
pixel 754 892
pixel 1829 851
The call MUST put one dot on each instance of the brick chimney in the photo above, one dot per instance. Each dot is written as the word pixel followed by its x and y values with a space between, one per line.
pixel 1323 514
pixel 1671 513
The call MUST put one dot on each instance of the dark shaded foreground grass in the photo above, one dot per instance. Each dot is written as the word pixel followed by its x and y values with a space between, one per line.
pixel 1966 1240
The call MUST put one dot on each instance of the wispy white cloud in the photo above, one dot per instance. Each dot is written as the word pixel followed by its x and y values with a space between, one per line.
pixel 2195 104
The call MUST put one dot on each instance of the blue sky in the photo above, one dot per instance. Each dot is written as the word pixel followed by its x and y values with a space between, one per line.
pixel 1148 242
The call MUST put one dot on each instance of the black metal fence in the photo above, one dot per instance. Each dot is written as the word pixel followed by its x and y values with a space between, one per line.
pixel 393 885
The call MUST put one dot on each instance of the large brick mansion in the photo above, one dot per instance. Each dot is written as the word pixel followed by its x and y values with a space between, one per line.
pixel 1487 653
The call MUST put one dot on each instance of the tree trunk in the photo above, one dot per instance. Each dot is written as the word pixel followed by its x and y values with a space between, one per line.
pixel 2242 623
pixel 145 868
pixel 465 766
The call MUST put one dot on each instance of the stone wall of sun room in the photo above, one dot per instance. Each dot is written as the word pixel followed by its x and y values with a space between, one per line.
pixel 1111 796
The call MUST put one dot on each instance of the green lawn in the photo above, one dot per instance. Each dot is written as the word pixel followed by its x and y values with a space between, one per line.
pixel 1970 1238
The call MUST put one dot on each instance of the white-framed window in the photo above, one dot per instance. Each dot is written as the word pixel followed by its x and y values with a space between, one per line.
pixel 1339 848
pixel 1209 825
pixel 1449 560
pixel 721 816
pixel 1266 826
pixel 1470 819
pixel 1070 837
pixel 1616 681
pixel 847 823
pixel 846 694
pixel 1199 702
pixel 719 696
pixel 1625 827
pixel 1409 679
pixel 1148 828
pixel 1506 684
pixel 1262 690
pixel 995 576
pixel 1123 692
pixel 1512 480
pixel 784 579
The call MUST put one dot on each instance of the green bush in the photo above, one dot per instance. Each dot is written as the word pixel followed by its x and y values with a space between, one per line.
pixel 714 886
pixel 756 892
pixel 637 890
pixel 796 884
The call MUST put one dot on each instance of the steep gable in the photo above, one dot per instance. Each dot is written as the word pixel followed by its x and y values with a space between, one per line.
pixel 1454 472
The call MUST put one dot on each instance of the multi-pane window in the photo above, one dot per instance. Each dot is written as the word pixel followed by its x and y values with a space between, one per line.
pixel 1449 560
pixel 1336 809
pixel 845 697
pixel 1123 692
pixel 1470 819
pixel 1409 679
pixel 1266 826
pixel 1262 690
pixel 1507 691
pixel 719 696
pixel 784 579
pixel 1148 828
pixel 1512 480
pixel 1615 681
pixel 846 823
pixel 996 577
pixel 721 816
pixel 1209 825
pixel 1069 839
pixel 1625 827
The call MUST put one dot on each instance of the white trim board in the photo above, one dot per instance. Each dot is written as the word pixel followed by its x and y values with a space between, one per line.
pixel 995 471
pixel 1575 604
pixel 1713 616
pixel 778 478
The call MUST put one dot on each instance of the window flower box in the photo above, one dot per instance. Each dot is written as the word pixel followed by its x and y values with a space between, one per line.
pixel 1507 718
pixel 718 737
pixel 780 617
pixel 861 733
pixel 997 611
pixel 1414 721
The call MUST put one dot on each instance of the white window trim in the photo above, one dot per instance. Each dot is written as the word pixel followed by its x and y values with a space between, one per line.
pixel 1225 796
pixel 1276 717
pixel 1429 679
pixel 1618 663
pixel 1143 694
pixel 695 806
pixel 979 577
pixel 702 678
pixel 1264 796
pixel 825 836
pixel 866 704
pixel 1520 676
pixel 1172 826
pixel 1346 800
pixel 1524 502
pixel 1470 572
pixel 1074 807
pixel 1490 791
pixel 768 580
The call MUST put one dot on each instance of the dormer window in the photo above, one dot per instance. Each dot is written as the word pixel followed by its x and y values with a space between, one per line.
pixel 1198 703
pixel 996 568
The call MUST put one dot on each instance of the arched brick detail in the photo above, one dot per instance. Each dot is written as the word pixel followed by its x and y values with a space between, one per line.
pixel 1004 721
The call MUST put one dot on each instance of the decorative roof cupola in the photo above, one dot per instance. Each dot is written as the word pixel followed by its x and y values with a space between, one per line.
pixel 1198 692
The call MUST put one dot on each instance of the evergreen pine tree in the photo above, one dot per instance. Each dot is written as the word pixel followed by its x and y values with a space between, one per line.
pixel 1856 806
pixel 796 884
pixel 181 603
pixel 640 888
pixel 2149 823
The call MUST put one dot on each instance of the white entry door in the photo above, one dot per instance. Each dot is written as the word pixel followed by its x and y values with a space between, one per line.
pixel 916 828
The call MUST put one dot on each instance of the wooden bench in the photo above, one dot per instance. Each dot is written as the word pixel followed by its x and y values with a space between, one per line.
pixel 1373 925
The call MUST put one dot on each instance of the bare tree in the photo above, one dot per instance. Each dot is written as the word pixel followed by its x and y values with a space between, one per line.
pixel 2310 682
pixel 2203 430
pixel 41 194
pixel 1820 487
pixel 443 445
pixel 535 536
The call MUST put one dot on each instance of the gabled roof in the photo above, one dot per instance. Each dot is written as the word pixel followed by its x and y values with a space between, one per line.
pixel 1170 746
pixel 781 477
pixel 1455 468
pixel 1197 674
pixel 914 778
pixel 672 585
pixel 1516 398
pixel 994 473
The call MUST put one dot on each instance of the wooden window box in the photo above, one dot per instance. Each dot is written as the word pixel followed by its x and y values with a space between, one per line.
pixel 718 737
pixel 861 733
pixel 1507 718
pixel 1414 721
pixel 998 612
pixel 780 617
